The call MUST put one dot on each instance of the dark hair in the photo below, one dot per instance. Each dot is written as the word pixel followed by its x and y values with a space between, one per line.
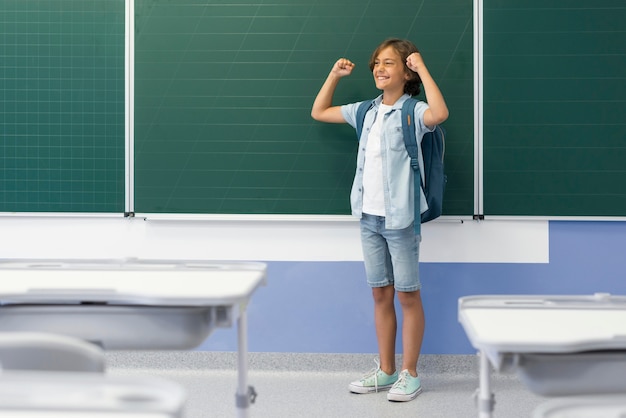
pixel 404 48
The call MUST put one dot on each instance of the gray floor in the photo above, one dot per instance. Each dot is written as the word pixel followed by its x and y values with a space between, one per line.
pixel 315 385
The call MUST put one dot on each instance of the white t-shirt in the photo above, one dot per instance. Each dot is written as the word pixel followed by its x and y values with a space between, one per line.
pixel 373 194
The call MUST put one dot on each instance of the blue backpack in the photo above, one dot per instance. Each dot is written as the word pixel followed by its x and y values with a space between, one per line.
pixel 433 150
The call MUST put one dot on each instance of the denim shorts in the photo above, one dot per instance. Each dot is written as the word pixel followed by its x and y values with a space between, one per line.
pixel 391 255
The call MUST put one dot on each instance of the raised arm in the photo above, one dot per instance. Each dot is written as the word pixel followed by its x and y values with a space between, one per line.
pixel 323 109
pixel 437 111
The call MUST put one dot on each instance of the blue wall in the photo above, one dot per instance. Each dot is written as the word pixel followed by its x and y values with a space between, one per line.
pixel 326 307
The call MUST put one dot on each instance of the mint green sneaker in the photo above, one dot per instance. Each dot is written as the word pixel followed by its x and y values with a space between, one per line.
pixel 373 381
pixel 406 388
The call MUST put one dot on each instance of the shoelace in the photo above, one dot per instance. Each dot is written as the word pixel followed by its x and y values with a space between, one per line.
pixel 373 372
pixel 402 380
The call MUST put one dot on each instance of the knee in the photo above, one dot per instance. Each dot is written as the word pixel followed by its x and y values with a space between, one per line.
pixel 383 295
pixel 410 299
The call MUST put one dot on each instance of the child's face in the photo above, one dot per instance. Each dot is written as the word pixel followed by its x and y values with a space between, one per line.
pixel 389 73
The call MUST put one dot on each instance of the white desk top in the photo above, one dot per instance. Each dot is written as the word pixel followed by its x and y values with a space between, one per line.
pixel 56 395
pixel 598 406
pixel 137 282
pixel 80 414
pixel 544 324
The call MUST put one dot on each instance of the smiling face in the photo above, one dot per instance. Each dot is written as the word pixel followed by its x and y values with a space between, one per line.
pixel 389 72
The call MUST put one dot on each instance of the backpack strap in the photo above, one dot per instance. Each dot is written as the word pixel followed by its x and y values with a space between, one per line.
pixel 410 142
pixel 360 116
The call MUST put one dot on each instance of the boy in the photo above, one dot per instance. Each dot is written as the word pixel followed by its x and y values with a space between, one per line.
pixel 382 198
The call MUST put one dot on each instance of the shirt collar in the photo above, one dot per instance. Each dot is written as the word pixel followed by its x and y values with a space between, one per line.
pixel 396 105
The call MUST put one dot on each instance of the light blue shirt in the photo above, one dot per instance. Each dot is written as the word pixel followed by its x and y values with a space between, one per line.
pixel 397 172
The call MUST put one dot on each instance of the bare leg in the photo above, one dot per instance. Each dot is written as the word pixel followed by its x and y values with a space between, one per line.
pixel 412 329
pixel 386 324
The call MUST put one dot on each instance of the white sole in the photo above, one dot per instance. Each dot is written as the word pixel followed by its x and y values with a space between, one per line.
pixel 368 389
pixel 396 397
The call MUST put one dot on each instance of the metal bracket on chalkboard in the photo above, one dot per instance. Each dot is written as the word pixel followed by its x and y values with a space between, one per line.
pixel 479 217
pixel 129 214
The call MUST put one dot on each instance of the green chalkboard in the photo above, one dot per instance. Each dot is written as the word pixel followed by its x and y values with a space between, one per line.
pixel 223 92
pixel 62 106
pixel 554 108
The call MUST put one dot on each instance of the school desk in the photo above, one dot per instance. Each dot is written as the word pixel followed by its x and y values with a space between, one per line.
pixel 548 340
pixel 598 406
pixel 78 394
pixel 133 304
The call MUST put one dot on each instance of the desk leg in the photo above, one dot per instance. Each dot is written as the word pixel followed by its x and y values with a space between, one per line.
pixel 485 397
pixel 245 394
